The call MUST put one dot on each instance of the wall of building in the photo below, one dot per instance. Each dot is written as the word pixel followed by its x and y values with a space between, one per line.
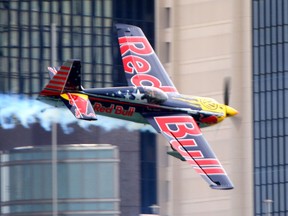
pixel 85 31
pixel 270 82
pixel 129 147
pixel 201 43
pixel 87 180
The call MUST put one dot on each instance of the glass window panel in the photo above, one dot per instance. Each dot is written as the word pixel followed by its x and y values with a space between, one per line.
pixel 281 104
pixel 268 128
pixel 45 18
pixel 24 18
pixel 258 197
pixel 286 56
pixel 261 37
pixel 269 151
pixel 87 7
pixel 34 18
pixel 55 7
pixel 263 107
pixel 87 21
pixel 275 155
pixel 256 60
pixel 98 8
pixel 14 38
pixel 262 82
pixel 281 151
pixel 280 34
pixel 280 12
pixel 255 14
pixel 262 60
pixel 280 57
pixel 286 156
pixel 275 197
pixel 286 127
pixel 268 82
pixel 268 105
pixel 257 130
pixel 281 172
pixel 263 155
pixel 273 13
pixel 274 105
pixel 257 155
pixel 269 175
pixel 268 59
pixel 286 200
pixel 267 11
pixel 13 18
pixel 261 14
pixel 256 37
pixel 256 84
pixel 274 128
pixel 282 199
pixel 274 58
pixel 66 7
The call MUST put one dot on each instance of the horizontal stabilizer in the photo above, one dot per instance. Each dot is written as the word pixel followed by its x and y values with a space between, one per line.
pixel 79 105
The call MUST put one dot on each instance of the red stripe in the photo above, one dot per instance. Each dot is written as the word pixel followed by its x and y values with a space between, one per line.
pixel 59 77
pixel 64 68
pixel 213 170
pixel 198 170
pixel 207 162
pixel 195 154
pixel 56 82
pixel 49 92
pixel 54 87
pixel 168 88
pixel 62 72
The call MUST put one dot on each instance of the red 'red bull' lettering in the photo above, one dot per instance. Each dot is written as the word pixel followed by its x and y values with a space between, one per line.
pixel 137 45
pixel 112 109
pixel 184 125
pixel 185 137
pixel 135 51
pixel 134 63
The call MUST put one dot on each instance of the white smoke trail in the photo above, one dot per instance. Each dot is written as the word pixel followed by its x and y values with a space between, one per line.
pixel 19 109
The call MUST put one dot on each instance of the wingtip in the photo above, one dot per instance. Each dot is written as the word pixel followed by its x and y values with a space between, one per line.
pixel 222 187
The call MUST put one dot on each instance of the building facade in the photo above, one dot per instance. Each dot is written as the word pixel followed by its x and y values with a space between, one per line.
pixel 88 181
pixel 84 30
pixel 270 97
pixel 201 43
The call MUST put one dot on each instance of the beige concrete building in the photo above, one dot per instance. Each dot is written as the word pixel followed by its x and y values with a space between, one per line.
pixel 200 42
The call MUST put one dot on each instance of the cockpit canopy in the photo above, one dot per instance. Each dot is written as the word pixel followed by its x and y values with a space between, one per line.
pixel 154 95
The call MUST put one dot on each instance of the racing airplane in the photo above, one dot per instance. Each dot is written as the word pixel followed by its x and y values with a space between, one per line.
pixel 150 98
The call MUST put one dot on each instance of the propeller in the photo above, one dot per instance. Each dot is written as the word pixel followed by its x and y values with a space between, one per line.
pixel 229 110
pixel 227 83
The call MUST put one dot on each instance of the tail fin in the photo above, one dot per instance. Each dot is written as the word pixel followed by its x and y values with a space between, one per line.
pixel 65 85
pixel 66 79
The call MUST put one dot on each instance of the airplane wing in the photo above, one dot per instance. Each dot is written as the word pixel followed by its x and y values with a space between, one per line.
pixel 185 137
pixel 141 64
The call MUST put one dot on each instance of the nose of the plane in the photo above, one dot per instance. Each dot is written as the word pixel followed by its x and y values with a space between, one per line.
pixel 230 111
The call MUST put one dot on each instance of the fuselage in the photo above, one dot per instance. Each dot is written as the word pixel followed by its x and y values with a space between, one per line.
pixel 134 103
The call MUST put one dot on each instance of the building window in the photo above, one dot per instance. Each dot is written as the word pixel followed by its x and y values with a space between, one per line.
pixel 270 84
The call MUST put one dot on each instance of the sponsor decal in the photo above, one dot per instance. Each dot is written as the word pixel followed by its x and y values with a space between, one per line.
pixel 185 136
pixel 135 51
pixel 81 104
pixel 114 109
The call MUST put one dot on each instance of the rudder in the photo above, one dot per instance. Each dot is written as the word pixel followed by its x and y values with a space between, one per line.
pixel 67 79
